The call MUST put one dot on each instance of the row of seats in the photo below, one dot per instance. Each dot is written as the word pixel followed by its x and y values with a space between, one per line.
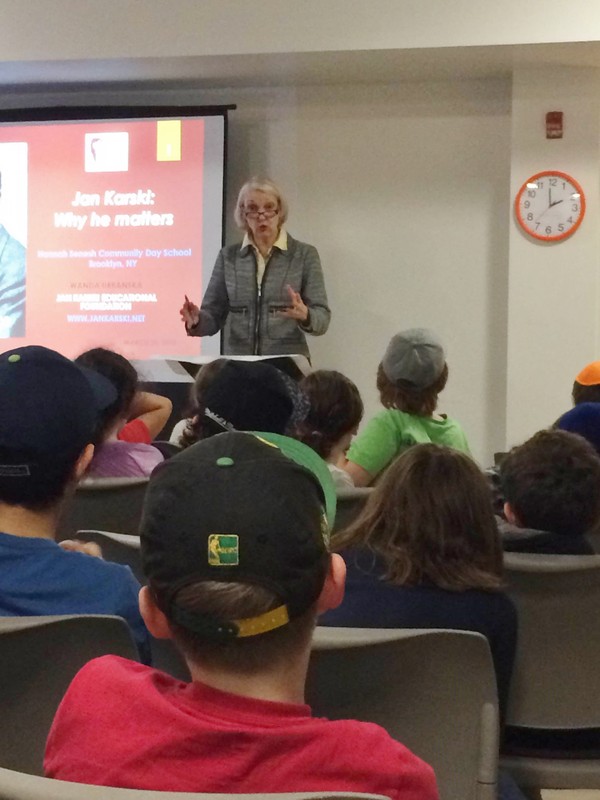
pixel 115 504
pixel 19 786
pixel 433 690
pixel 446 712
pixel 554 676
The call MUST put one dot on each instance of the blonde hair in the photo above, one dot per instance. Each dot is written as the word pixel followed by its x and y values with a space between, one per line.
pixel 259 185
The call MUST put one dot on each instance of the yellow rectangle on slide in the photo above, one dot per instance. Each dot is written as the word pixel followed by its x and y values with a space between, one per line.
pixel 168 140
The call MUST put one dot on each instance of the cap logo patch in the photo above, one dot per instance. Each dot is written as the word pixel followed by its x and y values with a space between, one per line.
pixel 14 470
pixel 223 550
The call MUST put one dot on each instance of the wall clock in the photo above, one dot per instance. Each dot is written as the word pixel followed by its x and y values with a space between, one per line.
pixel 550 206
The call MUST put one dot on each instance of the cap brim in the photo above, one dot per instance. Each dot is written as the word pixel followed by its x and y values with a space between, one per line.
pixel 306 457
pixel 105 393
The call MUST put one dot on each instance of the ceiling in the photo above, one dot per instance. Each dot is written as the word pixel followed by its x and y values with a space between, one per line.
pixel 296 69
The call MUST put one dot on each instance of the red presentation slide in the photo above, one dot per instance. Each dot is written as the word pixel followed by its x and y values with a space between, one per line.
pixel 103 221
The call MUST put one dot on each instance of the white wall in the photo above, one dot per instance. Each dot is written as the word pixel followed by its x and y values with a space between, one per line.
pixel 553 296
pixel 404 189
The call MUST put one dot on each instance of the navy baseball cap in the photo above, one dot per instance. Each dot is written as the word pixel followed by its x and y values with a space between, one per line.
pixel 49 407
pixel 249 396
pixel 235 508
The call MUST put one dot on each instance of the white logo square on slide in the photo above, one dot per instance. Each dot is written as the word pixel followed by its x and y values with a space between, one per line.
pixel 107 152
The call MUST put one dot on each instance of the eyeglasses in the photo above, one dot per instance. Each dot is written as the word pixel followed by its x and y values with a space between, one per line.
pixel 267 212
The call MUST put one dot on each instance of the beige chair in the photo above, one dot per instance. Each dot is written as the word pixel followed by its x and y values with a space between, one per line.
pixel 39 656
pixel 16 786
pixel 433 690
pixel 349 504
pixel 556 682
pixel 123 548
pixel 108 504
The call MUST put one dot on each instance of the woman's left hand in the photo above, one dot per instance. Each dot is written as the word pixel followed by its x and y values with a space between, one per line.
pixel 297 310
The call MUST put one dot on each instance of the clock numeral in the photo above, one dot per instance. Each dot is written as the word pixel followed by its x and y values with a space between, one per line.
pixel 553 181
pixel 526 204
pixel 531 192
pixel 548 229
pixel 530 216
pixel 574 207
pixel 540 184
pixel 537 225
pixel 570 220
pixel 561 227
pixel 564 186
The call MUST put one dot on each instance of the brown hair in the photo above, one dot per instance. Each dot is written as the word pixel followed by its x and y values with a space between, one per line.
pixel 585 394
pixel 336 409
pixel 431 519
pixel 121 373
pixel 196 428
pixel 231 601
pixel 552 482
pixel 406 398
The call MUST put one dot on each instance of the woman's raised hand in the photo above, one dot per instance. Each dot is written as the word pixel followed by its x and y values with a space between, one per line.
pixel 190 313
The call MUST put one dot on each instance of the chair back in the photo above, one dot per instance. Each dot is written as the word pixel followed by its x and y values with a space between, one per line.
pixel 106 504
pixel 39 656
pixel 122 548
pixel 433 690
pixel 556 680
pixel 166 448
pixel 350 503
pixel 16 786
pixel 125 549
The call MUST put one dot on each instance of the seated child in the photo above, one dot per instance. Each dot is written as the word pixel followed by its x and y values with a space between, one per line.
pixel 412 373
pixel 243 396
pixel 114 458
pixel 424 553
pixel 583 419
pixel 551 488
pixel 234 546
pixel 49 409
pixel 183 434
pixel 586 387
pixel 336 410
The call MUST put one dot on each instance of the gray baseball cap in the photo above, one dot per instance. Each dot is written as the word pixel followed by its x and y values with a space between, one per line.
pixel 415 357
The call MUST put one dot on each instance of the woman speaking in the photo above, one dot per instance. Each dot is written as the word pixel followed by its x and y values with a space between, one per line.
pixel 268 291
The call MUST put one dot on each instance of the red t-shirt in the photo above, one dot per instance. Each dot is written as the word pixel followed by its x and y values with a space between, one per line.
pixel 135 431
pixel 124 724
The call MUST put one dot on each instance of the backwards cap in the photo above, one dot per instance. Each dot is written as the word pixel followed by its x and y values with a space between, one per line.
pixel 248 396
pixel 235 508
pixel 49 407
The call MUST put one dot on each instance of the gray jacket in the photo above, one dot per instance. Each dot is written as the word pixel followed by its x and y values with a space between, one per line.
pixel 250 316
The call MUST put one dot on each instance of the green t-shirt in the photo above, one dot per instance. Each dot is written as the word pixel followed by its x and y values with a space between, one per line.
pixel 391 431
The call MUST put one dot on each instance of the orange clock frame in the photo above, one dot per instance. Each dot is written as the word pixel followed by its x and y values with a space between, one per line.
pixel 550 174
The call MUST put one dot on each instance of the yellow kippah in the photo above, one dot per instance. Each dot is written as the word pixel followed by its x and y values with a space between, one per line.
pixel 589 375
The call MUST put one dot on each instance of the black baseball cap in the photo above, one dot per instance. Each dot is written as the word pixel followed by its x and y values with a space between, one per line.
pixel 248 396
pixel 235 508
pixel 49 407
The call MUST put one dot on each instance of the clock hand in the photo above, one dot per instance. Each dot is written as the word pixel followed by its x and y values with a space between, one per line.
pixel 555 203
pixel 549 197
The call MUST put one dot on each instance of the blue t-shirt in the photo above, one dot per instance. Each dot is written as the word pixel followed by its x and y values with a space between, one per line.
pixel 371 602
pixel 37 578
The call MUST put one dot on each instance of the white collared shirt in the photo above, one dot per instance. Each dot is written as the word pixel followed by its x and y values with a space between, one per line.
pixel 261 262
